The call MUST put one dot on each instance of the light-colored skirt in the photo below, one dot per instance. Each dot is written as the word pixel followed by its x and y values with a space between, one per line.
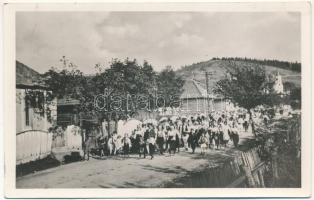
pixel 203 146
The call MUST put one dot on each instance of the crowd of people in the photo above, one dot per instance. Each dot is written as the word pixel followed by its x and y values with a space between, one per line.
pixel 170 135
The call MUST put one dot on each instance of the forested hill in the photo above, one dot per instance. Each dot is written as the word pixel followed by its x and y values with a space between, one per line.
pixel 293 66
pixel 217 67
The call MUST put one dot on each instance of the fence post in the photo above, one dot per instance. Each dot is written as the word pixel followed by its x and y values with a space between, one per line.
pixel 274 157
pixel 261 178
pixel 249 176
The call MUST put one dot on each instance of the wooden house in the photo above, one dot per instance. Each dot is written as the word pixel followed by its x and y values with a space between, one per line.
pixel 33 141
pixel 196 100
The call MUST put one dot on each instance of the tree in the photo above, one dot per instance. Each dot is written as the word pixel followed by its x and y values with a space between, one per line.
pixel 170 86
pixel 294 66
pixel 247 86
pixel 114 92
pixel 295 97
pixel 289 86
pixel 68 82
pixel 105 94
pixel 124 82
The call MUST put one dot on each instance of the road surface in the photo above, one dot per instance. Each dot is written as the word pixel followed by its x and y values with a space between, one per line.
pixel 119 172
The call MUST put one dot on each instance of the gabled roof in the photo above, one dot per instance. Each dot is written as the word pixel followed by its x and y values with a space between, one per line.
pixel 193 89
pixel 26 77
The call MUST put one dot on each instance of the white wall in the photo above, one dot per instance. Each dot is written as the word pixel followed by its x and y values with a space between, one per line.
pixel 36 121
pixel 32 141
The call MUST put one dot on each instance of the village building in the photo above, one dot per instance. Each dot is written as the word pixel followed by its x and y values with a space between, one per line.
pixel 40 129
pixel 27 117
pixel 32 120
pixel 278 85
pixel 67 112
pixel 196 100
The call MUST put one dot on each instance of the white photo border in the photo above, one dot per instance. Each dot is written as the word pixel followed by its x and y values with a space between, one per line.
pixel 9 100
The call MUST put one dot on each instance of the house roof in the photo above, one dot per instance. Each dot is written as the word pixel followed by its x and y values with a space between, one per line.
pixel 195 89
pixel 26 77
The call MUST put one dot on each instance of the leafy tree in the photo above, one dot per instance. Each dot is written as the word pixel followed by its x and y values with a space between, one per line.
pixel 114 92
pixel 288 86
pixel 296 94
pixel 68 82
pixel 295 97
pixel 247 86
pixel 170 86
pixel 124 81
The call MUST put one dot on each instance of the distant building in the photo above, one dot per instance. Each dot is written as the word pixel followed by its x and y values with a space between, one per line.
pixel 275 85
pixel 195 100
pixel 67 112
pixel 278 85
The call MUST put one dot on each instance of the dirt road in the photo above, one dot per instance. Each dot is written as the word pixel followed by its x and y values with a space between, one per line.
pixel 118 172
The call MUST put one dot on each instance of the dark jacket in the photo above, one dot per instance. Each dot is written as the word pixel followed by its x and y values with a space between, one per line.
pixel 152 133
pixel 146 135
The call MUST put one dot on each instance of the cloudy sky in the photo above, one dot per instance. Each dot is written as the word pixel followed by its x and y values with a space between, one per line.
pixel 161 38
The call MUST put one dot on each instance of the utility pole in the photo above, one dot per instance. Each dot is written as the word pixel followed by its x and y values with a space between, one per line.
pixel 155 93
pixel 207 74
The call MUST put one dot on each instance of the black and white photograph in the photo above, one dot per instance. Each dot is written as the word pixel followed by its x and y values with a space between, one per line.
pixel 158 99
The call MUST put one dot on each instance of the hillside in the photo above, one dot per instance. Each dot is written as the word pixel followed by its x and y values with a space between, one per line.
pixel 218 69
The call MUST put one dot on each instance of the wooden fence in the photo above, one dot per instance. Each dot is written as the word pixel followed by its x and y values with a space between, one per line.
pixel 254 169
pixel 293 133
pixel 32 145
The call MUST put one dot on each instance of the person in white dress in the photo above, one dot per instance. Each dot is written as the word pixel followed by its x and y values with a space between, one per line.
pixel 126 142
pixel 160 139
pixel 203 142
pixel 185 138
pixel 226 137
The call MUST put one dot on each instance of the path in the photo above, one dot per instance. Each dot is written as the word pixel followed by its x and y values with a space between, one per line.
pixel 130 172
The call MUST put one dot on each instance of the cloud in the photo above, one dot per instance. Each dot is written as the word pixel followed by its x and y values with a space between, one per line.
pixel 162 38
pixel 186 40
pixel 121 31
pixel 43 38
pixel 179 19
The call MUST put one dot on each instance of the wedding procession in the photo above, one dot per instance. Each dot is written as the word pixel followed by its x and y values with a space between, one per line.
pixel 169 135
pixel 109 107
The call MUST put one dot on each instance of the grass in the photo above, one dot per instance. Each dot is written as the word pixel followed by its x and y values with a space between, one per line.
pixel 218 68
